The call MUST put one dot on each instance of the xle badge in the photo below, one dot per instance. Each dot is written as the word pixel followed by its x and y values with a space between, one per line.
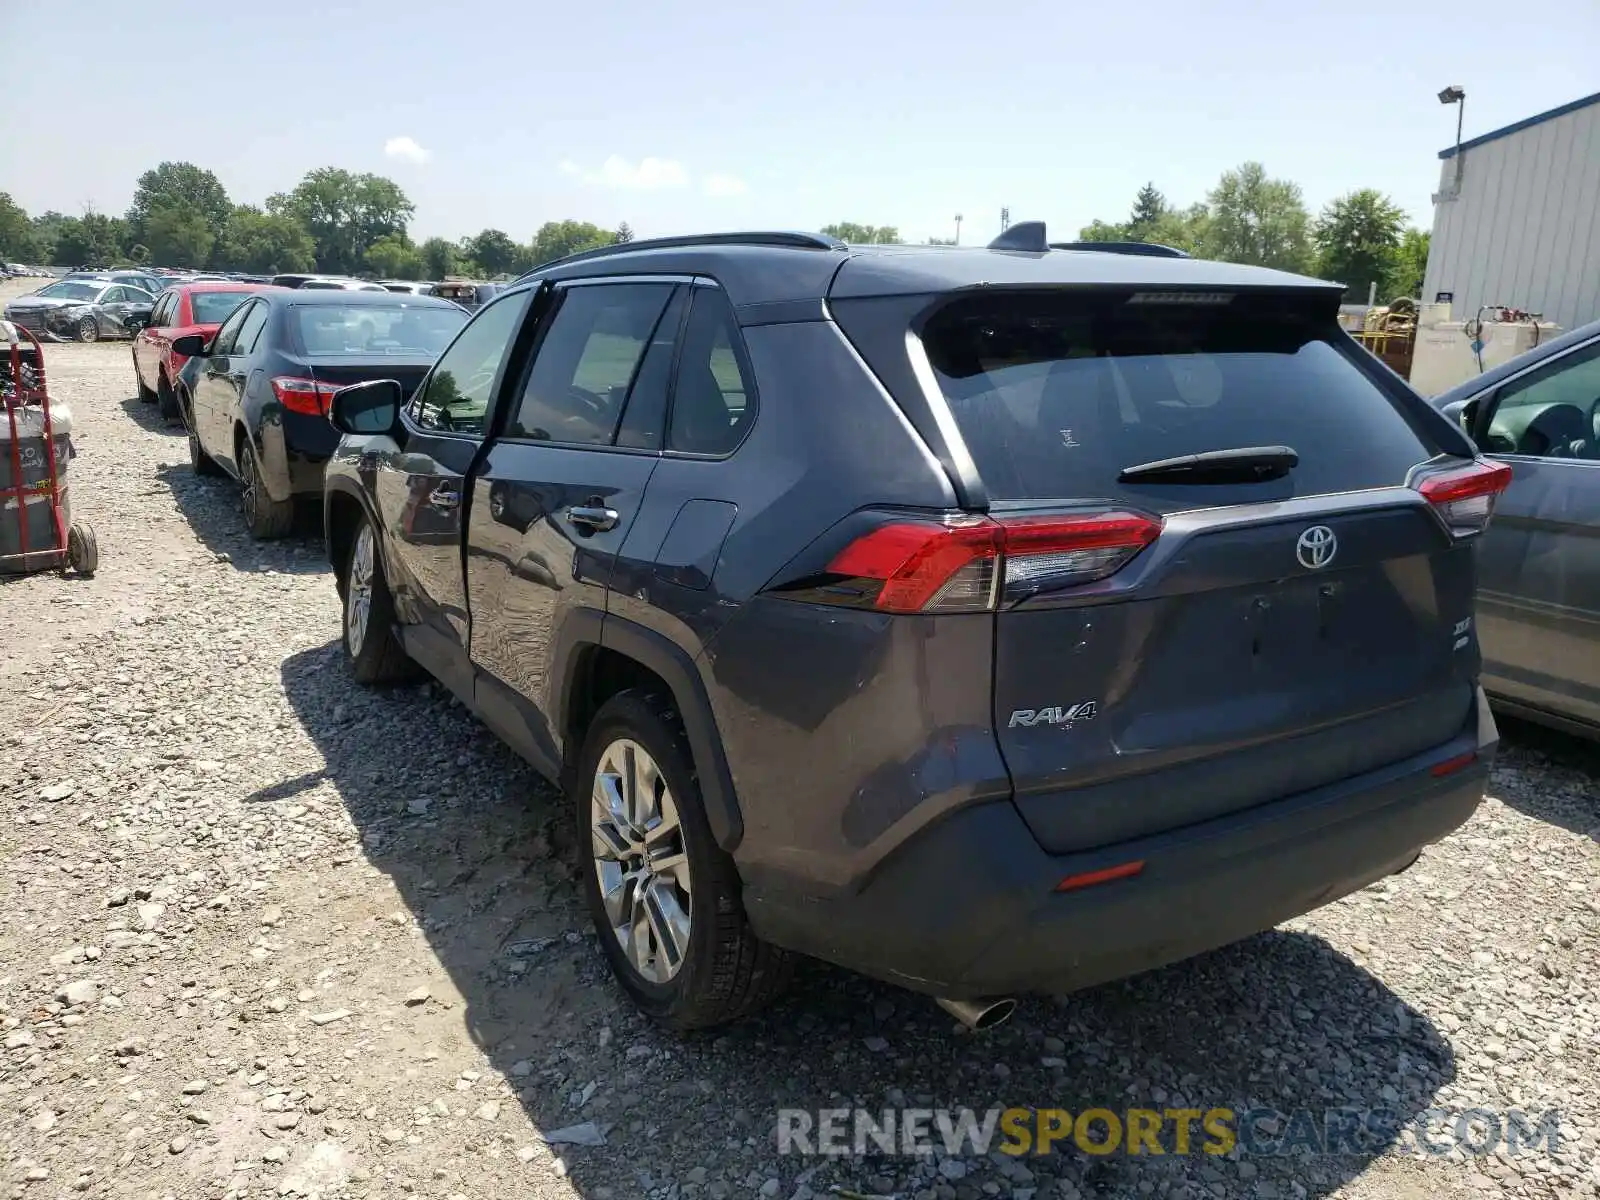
pixel 1057 715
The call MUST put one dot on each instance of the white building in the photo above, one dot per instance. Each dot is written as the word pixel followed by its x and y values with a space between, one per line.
pixel 1517 219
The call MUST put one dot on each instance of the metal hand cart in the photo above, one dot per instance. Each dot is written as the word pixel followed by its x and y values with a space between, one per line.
pixel 37 532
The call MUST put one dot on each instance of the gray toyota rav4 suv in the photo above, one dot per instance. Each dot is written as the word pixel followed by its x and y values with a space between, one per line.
pixel 985 620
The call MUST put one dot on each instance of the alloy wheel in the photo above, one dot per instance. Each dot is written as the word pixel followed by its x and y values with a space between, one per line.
pixel 640 859
pixel 88 330
pixel 358 603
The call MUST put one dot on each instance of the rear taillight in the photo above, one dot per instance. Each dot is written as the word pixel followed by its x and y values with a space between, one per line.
pixel 306 396
pixel 967 564
pixel 1464 498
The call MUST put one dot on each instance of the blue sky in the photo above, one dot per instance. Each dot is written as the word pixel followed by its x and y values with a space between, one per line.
pixel 694 116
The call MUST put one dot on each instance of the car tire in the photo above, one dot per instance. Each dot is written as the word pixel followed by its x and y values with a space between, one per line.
pixel 371 633
pixel 87 330
pixel 684 970
pixel 146 396
pixel 264 517
pixel 167 399
pixel 202 462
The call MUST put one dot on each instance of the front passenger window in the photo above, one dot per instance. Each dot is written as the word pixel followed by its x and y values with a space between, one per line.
pixel 455 398
pixel 1553 412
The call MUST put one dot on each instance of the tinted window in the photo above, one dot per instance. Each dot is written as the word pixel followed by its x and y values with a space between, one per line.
pixel 1056 394
pixel 255 320
pixel 212 308
pixel 455 397
pixel 165 310
pixel 1553 412
pixel 712 398
pixel 645 415
pixel 586 362
pixel 397 328
pixel 223 342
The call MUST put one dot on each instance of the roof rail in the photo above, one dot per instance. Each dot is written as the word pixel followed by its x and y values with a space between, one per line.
pixel 1024 235
pixel 783 239
pixel 1146 249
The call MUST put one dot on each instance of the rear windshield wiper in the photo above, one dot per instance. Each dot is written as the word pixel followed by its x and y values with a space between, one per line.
pixel 1243 464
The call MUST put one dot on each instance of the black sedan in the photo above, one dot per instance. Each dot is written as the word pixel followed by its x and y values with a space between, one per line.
pixel 83 310
pixel 257 401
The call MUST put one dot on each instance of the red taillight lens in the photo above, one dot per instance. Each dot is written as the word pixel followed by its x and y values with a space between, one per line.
pixel 961 565
pixel 1464 498
pixel 306 396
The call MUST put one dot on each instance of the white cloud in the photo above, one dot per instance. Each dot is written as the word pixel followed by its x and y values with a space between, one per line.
pixel 647 175
pixel 724 185
pixel 405 149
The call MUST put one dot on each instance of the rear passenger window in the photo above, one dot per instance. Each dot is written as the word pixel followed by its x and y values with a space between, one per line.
pixel 586 362
pixel 255 320
pixel 713 402
pixel 645 416
pixel 1056 394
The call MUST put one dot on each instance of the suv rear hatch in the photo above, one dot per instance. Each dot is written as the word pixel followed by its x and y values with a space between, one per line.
pixel 1193 638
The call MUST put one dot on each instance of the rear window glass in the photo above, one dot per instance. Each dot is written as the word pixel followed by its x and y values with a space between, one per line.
pixel 376 328
pixel 1055 395
pixel 212 308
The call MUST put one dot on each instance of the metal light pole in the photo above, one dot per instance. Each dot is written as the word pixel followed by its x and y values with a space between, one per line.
pixel 958 229
pixel 1457 95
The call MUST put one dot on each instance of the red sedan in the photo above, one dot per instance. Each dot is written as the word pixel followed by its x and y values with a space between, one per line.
pixel 182 310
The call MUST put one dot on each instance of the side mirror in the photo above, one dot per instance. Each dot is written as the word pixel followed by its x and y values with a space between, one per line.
pixel 191 345
pixel 366 408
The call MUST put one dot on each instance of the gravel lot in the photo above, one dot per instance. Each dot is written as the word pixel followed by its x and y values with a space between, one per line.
pixel 266 933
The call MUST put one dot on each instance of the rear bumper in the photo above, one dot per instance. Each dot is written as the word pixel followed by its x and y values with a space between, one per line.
pixel 968 907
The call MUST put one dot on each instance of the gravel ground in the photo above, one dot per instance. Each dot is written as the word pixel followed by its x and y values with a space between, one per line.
pixel 264 933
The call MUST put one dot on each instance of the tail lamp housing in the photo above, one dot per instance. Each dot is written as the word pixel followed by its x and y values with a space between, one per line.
pixel 1464 497
pixel 309 397
pixel 973 564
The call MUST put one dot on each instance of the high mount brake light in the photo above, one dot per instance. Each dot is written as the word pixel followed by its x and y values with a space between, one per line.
pixel 306 396
pixel 1464 498
pixel 964 564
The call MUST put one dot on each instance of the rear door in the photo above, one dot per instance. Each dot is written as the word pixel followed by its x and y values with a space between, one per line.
pixel 556 494
pixel 1539 595
pixel 1176 646
pixel 231 374
pixel 418 486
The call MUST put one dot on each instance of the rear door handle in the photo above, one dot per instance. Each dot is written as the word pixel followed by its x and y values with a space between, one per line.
pixel 594 517
pixel 442 497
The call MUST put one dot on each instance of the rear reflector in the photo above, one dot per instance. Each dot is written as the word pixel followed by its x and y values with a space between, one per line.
pixel 961 564
pixel 1464 498
pixel 1451 765
pixel 1105 875
pixel 306 396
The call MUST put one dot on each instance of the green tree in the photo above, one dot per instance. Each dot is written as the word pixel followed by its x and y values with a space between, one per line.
pixel 1407 266
pixel 1258 220
pixel 177 235
pixel 863 235
pixel 557 239
pixel 623 234
pixel 1357 237
pixel 47 228
pixel 180 185
pixel 394 257
pixel 92 240
pixel 18 240
pixel 139 254
pixel 438 258
pixel 1149 207
pixel 494 251
pixel 344 213
pixel 264 243
pixel 939 241
pixel 1103 231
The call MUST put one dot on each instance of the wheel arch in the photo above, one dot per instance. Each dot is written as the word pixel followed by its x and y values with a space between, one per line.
pixel 344 507
pixel 598 656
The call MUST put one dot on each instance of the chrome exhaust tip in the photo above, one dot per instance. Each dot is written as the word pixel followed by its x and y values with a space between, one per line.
pixel 978 1015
